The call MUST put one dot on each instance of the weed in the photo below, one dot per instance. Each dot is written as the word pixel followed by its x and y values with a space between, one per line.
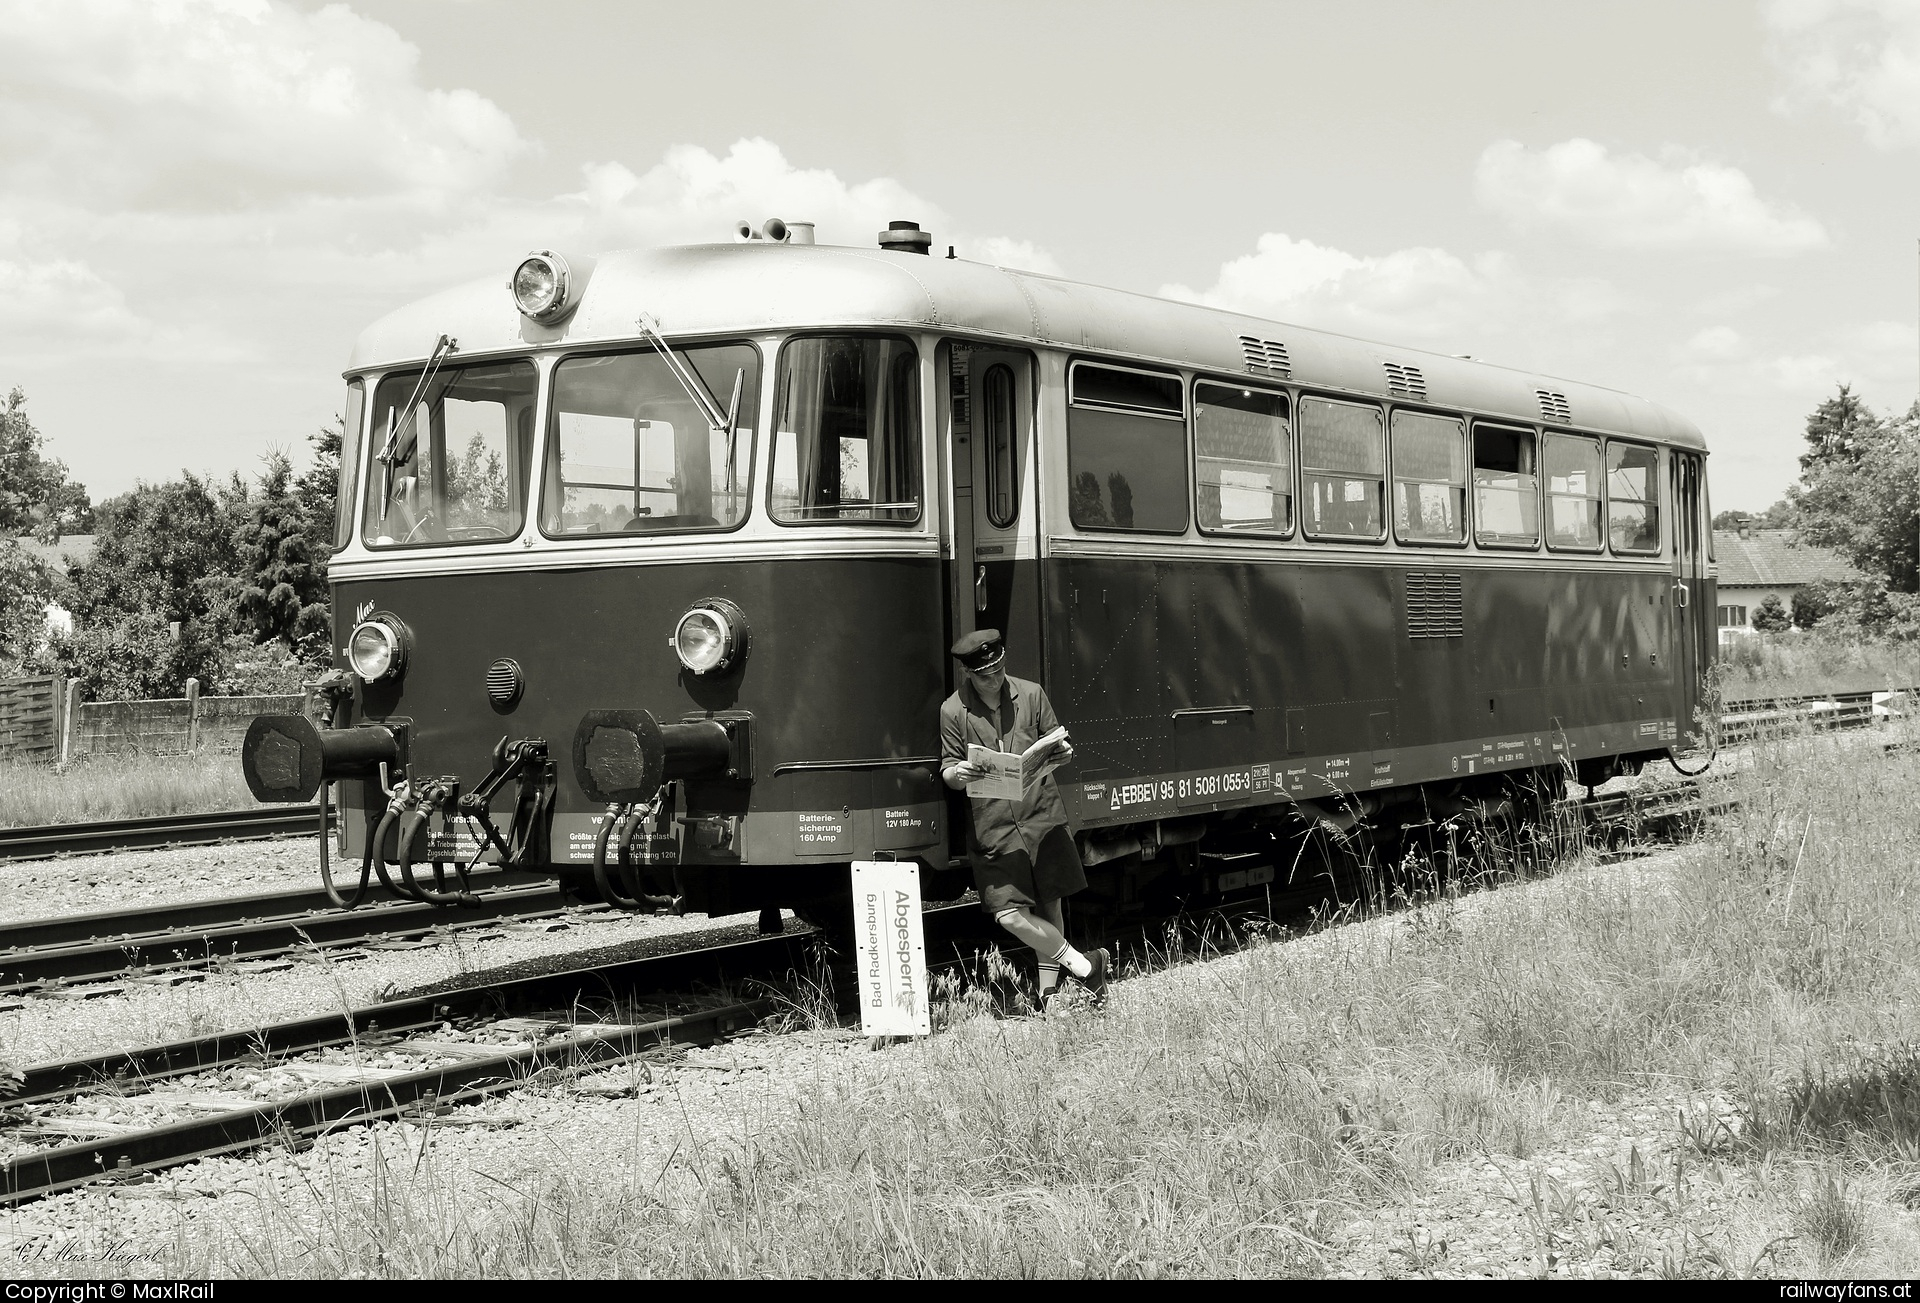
pixel 1833 1218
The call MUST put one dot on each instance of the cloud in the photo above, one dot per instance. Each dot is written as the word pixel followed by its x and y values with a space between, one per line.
pixel 1875 357
pixel 1861 57
pixel 1424 296
pixel 1019 255
pixel 1635 202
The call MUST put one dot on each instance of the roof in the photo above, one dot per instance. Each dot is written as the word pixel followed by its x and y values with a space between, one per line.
pixel 1769 558
pixel 759 286
pixel 71 547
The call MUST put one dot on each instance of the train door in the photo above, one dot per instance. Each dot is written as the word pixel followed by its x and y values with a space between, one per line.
pixel 993 581
pixel 1689 596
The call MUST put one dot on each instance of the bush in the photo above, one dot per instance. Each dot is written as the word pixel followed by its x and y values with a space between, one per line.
pixel 1771 616
pixel 137 658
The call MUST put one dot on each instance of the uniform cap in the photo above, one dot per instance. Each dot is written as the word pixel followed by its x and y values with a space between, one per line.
pixel 980 650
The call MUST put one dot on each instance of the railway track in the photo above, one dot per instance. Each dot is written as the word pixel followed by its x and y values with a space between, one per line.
pixel 107 835
pixel 414 1057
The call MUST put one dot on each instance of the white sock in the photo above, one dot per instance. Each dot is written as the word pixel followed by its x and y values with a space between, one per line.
pixel 1049 975
pixel 1073 961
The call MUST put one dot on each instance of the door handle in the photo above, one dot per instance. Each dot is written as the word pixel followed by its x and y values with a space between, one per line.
pixel 979 588
pixel 1680 596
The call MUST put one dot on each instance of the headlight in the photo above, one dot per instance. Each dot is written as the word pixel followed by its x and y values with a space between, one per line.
pixel 711 636
pixel 539 285
pixel 377 649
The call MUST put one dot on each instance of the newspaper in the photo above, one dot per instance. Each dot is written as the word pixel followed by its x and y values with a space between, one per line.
pixel 1011 775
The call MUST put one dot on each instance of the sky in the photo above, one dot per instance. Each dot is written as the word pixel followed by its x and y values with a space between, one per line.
pixel 1714 204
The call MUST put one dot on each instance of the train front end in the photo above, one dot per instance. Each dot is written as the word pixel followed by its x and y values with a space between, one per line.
pixel 629 591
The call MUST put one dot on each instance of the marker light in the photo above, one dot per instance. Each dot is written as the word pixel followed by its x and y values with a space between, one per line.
pixel 377 649
pixel 703 640
pixel 540 285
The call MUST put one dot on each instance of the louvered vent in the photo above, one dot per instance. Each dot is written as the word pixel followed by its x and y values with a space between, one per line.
pixel 1435 608
pixel 1406 381
pixel 1555 407
pixel 503 683
pixel 1266 357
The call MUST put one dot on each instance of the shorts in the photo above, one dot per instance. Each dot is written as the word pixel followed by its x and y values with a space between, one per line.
pixel 1017 881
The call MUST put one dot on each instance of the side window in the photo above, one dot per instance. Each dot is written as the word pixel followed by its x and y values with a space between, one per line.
pixel 1243 460
pixel 1126 449
pixel 1573 493
pixel 1506 487
pixel 1429 478
pixel 352 436
pixel 999 424
pixel 1342 465
pixel 451 455
pixel 1633 498
pixel 846 443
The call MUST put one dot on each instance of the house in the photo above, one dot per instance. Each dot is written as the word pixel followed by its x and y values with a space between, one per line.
pixel 1756 564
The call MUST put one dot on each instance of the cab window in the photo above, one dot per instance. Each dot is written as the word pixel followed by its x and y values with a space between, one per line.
pixel 450 457
pixel 1633 498
pixel 846 440
pixel 351 437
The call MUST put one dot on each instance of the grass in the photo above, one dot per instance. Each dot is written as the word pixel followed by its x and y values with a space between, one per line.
pixel 1803 664
pixel 120 787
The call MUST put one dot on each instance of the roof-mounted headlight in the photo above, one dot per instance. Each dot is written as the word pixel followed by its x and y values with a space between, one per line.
pixel 542 286
pixel 711 636
pixel 377 648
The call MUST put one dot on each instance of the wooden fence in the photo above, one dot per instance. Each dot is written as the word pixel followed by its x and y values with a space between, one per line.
pixel 30 714
pixel 40 721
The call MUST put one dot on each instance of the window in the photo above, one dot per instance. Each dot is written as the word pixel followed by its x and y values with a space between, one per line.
pixel 1126 450
pixel 352 435
pixel 846 443
pixel 1506 487
pixel 1429 478
pixel 629 450
pixel 1000 422
pixel 453 468
pixel 1243 459
pixel 1573 493
pixel 1633 498
pixel 1733 617
pixel 1342 464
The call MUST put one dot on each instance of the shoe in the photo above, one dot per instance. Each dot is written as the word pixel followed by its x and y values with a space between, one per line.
pixel 1096 979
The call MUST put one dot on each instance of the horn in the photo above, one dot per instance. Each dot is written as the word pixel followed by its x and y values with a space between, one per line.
pixel 774 229
pixel 743 230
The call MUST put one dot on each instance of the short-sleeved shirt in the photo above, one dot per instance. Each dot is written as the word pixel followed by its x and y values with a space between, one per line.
pixel 1024 715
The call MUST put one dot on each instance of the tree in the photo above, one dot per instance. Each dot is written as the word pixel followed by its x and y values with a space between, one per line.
pixel 162 549
pixel 1770 616
pixel 27 584
pixel 1812 603
pixel 137 657
pixel 281 580
pixel 36 495
pixel 1859 490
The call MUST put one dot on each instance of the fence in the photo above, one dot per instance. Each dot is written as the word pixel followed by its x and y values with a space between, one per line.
pixel 38 721
pixel 30 715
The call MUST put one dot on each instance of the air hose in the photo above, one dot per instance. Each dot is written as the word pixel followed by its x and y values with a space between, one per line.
pixel 410 825
pixel 617 813
pixel 326 862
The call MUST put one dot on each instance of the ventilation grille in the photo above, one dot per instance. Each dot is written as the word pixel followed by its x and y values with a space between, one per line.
pixel 1555 407
pixel 503 683
pixel 1434 605
pixel 1406 381
pixel 1267 357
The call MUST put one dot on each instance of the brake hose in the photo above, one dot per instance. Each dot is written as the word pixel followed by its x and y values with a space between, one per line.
pixel 326 863
pixel 616 813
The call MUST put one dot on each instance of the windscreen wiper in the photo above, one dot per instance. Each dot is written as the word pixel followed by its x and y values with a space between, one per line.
pixel 443 347
pixel 689 380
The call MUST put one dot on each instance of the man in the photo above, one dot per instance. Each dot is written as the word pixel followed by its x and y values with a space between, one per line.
pixel 1024 859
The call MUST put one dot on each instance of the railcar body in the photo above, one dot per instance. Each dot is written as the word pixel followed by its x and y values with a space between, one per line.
pixel 1259 568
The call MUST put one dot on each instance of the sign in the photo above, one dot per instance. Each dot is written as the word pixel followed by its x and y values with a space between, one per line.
pixel 892 949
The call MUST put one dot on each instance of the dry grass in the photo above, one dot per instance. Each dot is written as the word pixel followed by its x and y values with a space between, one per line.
pixel 1802 664
pixel 1234 1117
pixel 120 787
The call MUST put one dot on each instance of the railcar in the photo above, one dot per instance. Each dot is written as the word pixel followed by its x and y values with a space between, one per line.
pixel 646 566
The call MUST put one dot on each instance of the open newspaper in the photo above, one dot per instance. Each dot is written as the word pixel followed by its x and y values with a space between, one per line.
pixel 1011 775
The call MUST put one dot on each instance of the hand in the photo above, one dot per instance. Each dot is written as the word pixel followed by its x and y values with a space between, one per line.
pixel 1063 751
pixel 963 773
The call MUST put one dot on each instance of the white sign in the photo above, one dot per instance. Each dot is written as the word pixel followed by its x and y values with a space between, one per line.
pixel 892 949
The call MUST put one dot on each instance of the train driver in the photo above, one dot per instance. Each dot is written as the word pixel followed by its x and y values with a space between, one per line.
pixel 1024 859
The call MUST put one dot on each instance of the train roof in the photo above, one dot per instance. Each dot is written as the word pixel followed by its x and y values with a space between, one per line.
pixel 758 285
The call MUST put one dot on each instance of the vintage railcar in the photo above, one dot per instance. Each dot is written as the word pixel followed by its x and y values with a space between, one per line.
pixel 647 564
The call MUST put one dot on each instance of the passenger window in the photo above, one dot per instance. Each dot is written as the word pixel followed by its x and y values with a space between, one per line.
pixel 1506 488
pixel 1243 455
pixel 1429 478
pixel 630 451
pixel 1633 498
pixel 1342 460
pixel 1573 493
pixel 454 468
pixel 846 442
pixel 352 435
pixel 1126 450
pixel 999 421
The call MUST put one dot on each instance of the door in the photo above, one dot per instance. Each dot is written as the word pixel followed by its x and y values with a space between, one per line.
pixel 1690 598
pixel 993 579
